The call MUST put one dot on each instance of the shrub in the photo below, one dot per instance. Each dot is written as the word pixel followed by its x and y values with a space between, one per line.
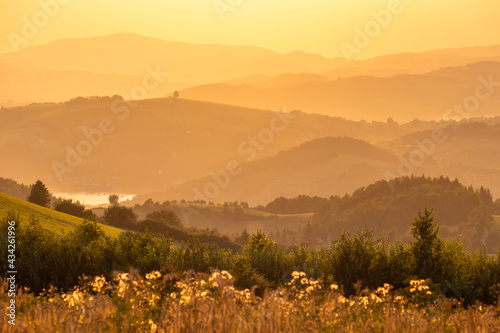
pixel 69 207
pixel 120 216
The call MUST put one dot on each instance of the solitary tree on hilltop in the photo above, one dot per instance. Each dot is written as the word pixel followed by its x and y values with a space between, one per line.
pixel 39 194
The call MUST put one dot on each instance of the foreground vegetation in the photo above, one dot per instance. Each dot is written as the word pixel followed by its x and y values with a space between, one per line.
pixel 357 283
pixel 200 303
pixel 355 262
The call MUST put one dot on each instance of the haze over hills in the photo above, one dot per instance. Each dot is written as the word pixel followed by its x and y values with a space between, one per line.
pixel 20 84
pixel 172 144
pixel 323 167
pixel 160 141
pixel 336 166
pixel 115 64
pixel 465 149
pixel 118 55
pixel 402 97
pixel 416 62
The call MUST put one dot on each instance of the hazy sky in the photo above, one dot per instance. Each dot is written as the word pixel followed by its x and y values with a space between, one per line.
pixel 319 26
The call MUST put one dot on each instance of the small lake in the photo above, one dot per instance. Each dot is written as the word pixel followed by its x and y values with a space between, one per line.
pixel 91 199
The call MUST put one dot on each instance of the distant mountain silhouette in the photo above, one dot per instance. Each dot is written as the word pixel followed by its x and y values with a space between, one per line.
pixel 127 57
pixel 47 69
pixel 416 62
pixel 402 97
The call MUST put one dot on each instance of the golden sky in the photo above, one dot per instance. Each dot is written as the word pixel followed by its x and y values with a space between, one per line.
pixel 318 26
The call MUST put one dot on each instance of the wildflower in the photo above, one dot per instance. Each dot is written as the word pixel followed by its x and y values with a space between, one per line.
pixel 375 298
pixel 398 299
pixel 364 301
pixel 98 283
pixel 152 325
pixel 226 275
pixel 124 276
pixel 334 287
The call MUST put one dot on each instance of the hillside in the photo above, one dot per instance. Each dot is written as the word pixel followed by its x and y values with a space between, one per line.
pixel 13 188
pixel 52 220
pixel 387 207
pixel 159 141
pixel 322 167
pixel 465 149
pixel 402 97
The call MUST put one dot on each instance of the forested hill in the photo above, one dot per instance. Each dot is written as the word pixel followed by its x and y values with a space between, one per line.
pixel 13 188
pixel 389 207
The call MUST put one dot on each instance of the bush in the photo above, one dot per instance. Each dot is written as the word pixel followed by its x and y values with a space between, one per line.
pixel 356 262
pixel 120 216
pixel 69 207
pixel 166 217
pixel 268 259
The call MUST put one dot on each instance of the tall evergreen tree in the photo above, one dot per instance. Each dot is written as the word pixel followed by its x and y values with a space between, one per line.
pixel 39 194
pixel 427 250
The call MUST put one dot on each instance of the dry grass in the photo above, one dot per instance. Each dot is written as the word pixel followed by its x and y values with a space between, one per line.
pixel 202 303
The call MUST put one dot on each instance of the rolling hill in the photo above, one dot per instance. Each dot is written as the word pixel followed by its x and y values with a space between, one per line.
pixel 109 65
pixel 323 167
pixel 462 212
pixel 402 97
pixel 469 151
pixel 416 62
pixel 49 135
pixel 50 219
pixel 116 64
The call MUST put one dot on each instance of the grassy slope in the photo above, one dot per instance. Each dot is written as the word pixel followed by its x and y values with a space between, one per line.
pixel 50 219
